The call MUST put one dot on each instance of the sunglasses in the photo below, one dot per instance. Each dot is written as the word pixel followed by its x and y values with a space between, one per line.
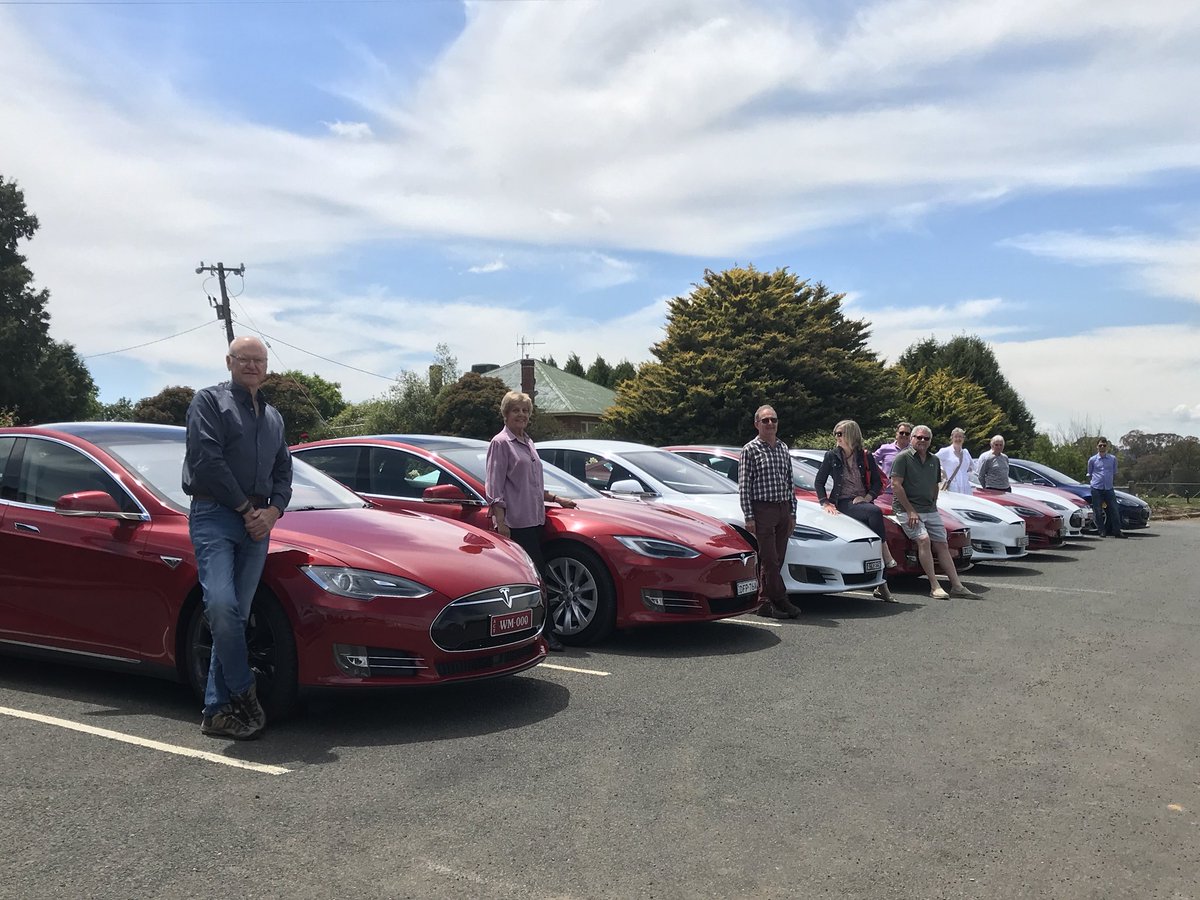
pixel 903 433
pixel 837 434
pixel 921 437
pixel 767 420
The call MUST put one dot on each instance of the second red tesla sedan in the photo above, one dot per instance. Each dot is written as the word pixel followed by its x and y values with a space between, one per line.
pixel 1043 525
pixel 609 564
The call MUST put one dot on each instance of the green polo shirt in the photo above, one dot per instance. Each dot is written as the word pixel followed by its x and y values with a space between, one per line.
pixel 920 478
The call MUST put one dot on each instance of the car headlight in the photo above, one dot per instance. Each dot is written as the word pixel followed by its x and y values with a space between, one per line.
pixel 658 549
pixel 1054 505
pixel 976 516
pixel 358 584
pixel 1025 512
pixel 807 533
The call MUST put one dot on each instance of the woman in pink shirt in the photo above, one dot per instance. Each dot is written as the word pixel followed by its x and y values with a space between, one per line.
pixel 516 491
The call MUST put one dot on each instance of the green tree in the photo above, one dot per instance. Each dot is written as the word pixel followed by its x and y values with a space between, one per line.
pixel 968 356
pixel 470 407
pixel 600 372
pixel 574 366
pixel 944 401
pixel 41 380
pixel 121 411
pixel 622 371
pixel 323 396
pixel 295 403
pixel 743 338
pixel 168 407
pixel 548 359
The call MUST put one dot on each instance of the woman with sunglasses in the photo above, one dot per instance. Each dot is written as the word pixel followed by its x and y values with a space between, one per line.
pixel 857 481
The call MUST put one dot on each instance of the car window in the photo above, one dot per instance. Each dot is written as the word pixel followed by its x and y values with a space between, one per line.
pixel 340 463
pixel 680 474
pixel 49 470
pixel 6 445
pixel 398 473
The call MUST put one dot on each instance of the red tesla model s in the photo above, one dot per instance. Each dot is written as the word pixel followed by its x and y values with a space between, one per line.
pixel 98 569
pixel 610 564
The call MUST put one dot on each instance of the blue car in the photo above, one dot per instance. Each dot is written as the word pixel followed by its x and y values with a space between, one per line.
pixel 1135 512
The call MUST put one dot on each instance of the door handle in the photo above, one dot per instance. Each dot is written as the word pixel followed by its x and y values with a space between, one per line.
pixel 22 526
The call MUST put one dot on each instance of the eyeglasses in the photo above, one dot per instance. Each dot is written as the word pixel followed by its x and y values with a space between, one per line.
pixel 837 434
pixel 767 420
pixel 920 437
pixel 249 360
pixel 903 433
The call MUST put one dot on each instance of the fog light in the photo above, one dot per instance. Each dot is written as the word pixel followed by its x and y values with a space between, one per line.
pixel 653 600
pixel 352 659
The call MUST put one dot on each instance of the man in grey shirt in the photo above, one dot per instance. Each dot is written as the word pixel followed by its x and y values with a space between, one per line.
pixel 238 472
pixel 993 467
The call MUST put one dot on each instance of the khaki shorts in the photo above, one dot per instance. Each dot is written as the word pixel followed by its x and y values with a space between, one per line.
pixel 930 524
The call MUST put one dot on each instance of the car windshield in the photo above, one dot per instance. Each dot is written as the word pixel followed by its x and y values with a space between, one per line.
pixel 802 476
pixel 473 460
pixel 158 464
pixel 680 474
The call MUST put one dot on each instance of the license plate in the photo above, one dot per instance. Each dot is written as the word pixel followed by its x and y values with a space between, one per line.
pixel 749 586
pixel 1022 542
pixel 872 565
pixel 510 622
pixel 966 553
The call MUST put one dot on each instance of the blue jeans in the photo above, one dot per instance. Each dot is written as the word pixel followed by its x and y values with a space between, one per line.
pixel 1109 496
pixel 230 564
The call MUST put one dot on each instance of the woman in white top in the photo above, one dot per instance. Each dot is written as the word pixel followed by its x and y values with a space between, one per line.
pixel 956 464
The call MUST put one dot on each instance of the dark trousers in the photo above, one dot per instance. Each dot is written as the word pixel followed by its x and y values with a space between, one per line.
pixel 771 521
pixel 530 540
pixel 1110 524
pixel 867 513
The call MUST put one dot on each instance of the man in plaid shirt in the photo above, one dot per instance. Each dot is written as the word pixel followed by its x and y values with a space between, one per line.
pixel 769 505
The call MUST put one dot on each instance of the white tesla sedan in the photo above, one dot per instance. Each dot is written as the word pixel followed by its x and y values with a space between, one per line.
pixel 1076 514
pixel 825 555
pixel 996 531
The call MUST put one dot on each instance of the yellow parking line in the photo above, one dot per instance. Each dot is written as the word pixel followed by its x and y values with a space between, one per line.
pixel 143 742
pixel 547 665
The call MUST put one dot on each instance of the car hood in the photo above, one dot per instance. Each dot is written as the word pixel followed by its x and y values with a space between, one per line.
pixel 951 501
pixel 728 508
pixel 1048 495
pixel 1131 499
pixel 634 519
pixel 450 557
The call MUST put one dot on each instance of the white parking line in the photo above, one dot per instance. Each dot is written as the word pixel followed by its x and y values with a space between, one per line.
pixel 547 665
pixel 736 620
pixel 143 742
pixel 1048 590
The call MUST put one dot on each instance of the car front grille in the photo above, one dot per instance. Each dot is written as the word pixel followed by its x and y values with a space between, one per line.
pixel 482 663
pixel 466 623
pixel 723 605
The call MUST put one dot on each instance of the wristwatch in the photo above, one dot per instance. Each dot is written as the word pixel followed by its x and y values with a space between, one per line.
pixel 244 508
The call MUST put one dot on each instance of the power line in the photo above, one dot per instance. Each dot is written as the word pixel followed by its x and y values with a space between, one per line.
pixel 148 343
pixel 319 356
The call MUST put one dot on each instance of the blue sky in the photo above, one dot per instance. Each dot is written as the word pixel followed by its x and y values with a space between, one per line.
pixel 396 175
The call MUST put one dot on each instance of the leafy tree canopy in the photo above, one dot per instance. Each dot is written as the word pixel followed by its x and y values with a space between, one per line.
pixel 41 380
pixel 743 338
pixel 121 411
pixel 600 372
pixel 968 356
pixel 622 371
pixel 168 407
pixel 471 407
pixel 324 396
pixel 574 366
pixel 944 401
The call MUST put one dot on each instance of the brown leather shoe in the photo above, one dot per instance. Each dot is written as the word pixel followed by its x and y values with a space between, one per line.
pixel 771 611
pixel 785 605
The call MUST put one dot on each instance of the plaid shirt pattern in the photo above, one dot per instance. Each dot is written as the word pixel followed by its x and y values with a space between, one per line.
pixel 765 475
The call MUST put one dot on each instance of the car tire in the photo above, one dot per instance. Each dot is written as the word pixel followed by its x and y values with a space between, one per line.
pixel 272 648
pixel 582 598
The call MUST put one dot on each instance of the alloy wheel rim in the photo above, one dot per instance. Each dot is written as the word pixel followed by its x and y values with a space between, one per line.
pixel 573 593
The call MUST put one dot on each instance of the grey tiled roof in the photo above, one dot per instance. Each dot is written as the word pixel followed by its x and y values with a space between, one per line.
pixel 558 393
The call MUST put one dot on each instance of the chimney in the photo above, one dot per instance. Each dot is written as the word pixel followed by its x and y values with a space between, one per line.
pixel 483 368
pixel 527 378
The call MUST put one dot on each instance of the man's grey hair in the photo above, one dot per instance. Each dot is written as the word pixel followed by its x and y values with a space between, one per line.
pixel 758 412
pixel 924 428
pixel 996 437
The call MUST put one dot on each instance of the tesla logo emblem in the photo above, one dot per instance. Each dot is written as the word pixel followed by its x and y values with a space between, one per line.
pixel 506 596
pixel 171 561
pixel 746 557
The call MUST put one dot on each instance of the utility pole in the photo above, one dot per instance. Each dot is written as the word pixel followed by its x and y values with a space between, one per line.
pixel 223 307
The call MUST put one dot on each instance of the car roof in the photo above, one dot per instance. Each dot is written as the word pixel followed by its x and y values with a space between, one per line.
pixel 107 431
pixel 597 445
pixel 720 448
pixel 428 441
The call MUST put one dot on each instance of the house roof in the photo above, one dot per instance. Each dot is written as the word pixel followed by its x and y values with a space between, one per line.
pixel 559 393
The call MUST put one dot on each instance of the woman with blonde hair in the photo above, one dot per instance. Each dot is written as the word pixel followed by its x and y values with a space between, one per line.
pixel 857 481
pixel 956 464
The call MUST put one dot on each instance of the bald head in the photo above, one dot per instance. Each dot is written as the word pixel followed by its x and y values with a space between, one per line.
pixel 247 362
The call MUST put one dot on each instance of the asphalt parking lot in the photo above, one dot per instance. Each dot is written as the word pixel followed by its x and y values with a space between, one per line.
pixel 1039 742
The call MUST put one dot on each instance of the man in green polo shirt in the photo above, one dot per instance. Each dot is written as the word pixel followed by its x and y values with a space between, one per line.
pixel 916 474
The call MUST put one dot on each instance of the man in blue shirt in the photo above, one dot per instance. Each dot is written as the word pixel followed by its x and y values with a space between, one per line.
pixel 239 474
pixel 1102 476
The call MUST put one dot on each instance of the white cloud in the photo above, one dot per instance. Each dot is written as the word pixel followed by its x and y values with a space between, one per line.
pixel 355 131
pixel 496 265
pixel 1188 413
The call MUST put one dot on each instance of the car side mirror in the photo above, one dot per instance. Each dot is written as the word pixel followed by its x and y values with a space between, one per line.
pixel 627 486
pixel 93 505
pixel 444 493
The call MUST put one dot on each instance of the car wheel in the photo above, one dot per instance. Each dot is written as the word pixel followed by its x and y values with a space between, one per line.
pixel 583 601
pixel 272 649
